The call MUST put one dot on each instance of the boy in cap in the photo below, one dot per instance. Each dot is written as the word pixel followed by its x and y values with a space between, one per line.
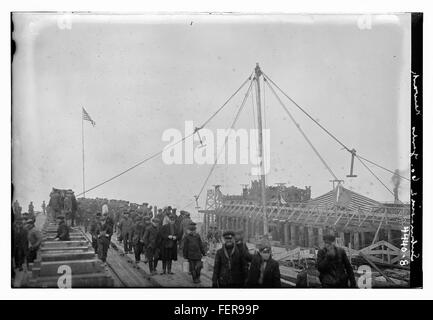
pixel 334 266
pixel 264 272
pixel 193 251
pixel 230 268
pixel 62 230
pixel 150 243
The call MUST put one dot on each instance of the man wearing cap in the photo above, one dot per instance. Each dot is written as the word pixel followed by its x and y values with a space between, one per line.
pixel 35 239
pixel 230 269
pixel 264 272
pixel 108 223
pixel 168 239
pixel 160 216
pixel 125 227
pixel 62 230
pixel 193 251
pixel 137 238
pixel 95 229
pixel 334 266
pixel 150 244
pixel 104 236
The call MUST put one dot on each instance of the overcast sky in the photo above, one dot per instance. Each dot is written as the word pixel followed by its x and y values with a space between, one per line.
pixel 138 76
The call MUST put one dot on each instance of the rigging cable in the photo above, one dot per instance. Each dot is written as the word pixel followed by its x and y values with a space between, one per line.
pixel 226 139
pixel 362 162
pixel 161 151
pixel 302 131
pixel 324 129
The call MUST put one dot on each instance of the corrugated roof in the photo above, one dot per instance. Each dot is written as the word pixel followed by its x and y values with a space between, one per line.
pixel 344 198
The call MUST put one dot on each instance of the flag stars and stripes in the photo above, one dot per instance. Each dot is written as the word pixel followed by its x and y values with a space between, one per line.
pixel 87 117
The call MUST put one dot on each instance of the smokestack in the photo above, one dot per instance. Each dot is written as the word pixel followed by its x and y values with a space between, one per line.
pixel 396 181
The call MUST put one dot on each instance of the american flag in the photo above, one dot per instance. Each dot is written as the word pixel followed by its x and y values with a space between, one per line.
pixel 87 117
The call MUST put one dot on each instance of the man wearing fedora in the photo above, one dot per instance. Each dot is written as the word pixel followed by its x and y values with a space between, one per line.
pixel 334 266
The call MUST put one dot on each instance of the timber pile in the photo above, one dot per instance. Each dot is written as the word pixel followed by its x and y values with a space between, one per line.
pixel 77 254
pixel 300 260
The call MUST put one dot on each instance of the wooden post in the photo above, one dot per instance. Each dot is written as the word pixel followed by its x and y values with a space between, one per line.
pixel 389 235
pixel 205 223
pixel 310 237
pixel 293 235
pixel 341 236
pixel 320 236
pixel 356 240
pixel 362 239
pixel 286 234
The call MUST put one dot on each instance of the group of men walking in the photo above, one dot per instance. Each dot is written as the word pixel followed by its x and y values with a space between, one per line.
pixel 160 238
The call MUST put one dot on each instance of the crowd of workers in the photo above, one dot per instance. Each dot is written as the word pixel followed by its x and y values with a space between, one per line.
pixel 162 234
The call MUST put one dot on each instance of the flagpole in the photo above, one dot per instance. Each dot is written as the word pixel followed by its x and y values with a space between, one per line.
pixel 82 143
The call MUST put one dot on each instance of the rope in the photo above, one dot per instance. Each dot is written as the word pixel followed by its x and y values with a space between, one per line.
pixel 226 139
pixel 362 162
pixel 383 168
pixel 327 131
pixel 302 132
pixel 135 165
pixel 160 152
pixel 227 101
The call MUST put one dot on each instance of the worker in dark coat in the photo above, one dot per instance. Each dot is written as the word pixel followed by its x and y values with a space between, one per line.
pixel 193 251
pixel 110 224
pixel 150 243
pixel 125 227
pixel 20 243
pixel 230 269
pixel 105 232
pixel 242 246
pixel 55 203
pixel 35 239
pixel 62 230
pixel 95 228
pixel 31 208
pixel 137 238
pixel 264 272
pixel 168 235
pixel 334 266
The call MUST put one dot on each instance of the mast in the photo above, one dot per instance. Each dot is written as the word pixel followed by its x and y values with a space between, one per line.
pixel 258 74
pixel 82 148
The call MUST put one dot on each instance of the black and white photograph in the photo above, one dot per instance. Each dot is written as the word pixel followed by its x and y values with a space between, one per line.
pixel 216 150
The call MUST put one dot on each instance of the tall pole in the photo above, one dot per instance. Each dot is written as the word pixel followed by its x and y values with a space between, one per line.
pixel 82 145
pixel 258 74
